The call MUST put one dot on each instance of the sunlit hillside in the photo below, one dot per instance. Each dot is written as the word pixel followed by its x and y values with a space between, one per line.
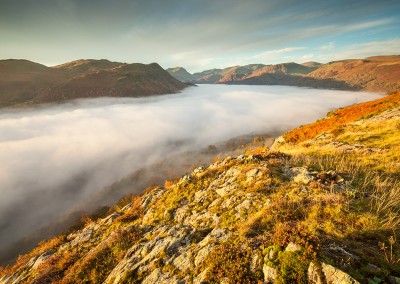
pixel 325 207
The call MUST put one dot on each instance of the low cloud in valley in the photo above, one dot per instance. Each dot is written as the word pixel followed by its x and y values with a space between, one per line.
pixel 54 157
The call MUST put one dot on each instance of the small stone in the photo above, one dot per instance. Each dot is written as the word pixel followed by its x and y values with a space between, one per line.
pixel 42 258
pixel 256 263
pixel 269 274
pixel 183 261
pixel 373 268
pixel 394 280
pixel 292 247
pixel 313 275
pixel 252 173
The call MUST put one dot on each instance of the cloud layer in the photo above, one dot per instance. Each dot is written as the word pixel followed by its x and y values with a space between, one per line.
pixel 53 157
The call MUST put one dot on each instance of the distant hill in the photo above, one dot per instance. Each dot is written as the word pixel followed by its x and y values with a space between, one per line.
pixel 25 82
pixel 312 64
pixel 239 73
pixel 181 74
pixel 287 68
pixel 208 76
pixel 378 73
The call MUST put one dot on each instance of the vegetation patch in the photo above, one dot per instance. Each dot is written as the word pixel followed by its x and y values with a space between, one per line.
pixel 230 263
pixel 338 118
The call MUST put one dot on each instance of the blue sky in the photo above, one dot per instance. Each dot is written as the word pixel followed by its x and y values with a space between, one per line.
pixel 198 34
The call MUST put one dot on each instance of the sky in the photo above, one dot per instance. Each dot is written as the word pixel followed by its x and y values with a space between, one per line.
pixel 198 34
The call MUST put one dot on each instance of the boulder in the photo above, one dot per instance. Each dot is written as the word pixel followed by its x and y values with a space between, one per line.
pixel 269 274
pixel 292 247
pixel 313 276
pixel 182 262
pixel 334 275
pixel 394 280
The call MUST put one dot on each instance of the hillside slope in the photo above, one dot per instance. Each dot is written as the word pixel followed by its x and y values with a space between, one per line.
pixel 371 74
pixel 22 80
pixel 238 74
pixel 25 82
pixel 181 74
pixel 326 208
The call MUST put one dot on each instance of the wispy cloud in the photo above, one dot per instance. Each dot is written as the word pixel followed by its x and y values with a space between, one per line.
pixel 278 51
pixel 307 56
pixel 365 49
pixel 369 24
pixel 328 46
pixel 271 55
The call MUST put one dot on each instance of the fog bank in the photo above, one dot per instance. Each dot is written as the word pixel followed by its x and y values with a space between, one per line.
pixel 54 156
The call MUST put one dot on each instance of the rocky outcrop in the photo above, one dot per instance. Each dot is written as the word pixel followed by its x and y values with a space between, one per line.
pixel 176 234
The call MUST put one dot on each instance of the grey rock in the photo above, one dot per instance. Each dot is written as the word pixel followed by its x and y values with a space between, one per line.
pixel 13 279
pixel 201 278
pixel 336 276
pixel 292 247
pixel 84 236
pixel 244 206
pixel 158 277
pixel 110 218
pixel 313 275
pixel 256 263
pixel 181 214
pixel 394 280
pixel 217 234
pixel 182 262
pixel 373 268
pixel 342 251
pixel 202 254
pixel 270 274
pixel 42 258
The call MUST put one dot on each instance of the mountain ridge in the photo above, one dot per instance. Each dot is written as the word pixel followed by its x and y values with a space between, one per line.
pixel 23 82
pixel 376 73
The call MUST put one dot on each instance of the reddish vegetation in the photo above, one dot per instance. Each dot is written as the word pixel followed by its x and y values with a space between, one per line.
pixel 342 116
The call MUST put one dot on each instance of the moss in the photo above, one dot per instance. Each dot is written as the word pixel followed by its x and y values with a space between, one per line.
pixel 291 268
